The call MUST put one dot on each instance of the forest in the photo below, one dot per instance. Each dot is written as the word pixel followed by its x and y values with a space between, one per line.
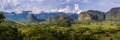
pixel 61 30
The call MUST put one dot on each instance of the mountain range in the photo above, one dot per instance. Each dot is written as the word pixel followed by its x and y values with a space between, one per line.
pixel 111 15
pixel 43 16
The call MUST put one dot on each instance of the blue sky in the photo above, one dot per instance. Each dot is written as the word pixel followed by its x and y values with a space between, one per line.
pixel 57 5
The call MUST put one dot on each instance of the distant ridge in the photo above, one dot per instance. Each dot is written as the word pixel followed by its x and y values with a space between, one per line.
pixel 111 15
pixel 43 16
pixel 92 15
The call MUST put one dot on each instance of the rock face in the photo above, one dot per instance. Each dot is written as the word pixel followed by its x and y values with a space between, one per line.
pixel 92 15
pixel 51 18
pixel 42 16
pixel 113 14
pixel 58 15
pixel 33 18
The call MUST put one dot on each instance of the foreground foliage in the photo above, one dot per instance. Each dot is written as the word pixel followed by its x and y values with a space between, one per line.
pixel 48 31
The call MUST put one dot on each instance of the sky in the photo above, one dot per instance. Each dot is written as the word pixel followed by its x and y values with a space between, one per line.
pixel 67 6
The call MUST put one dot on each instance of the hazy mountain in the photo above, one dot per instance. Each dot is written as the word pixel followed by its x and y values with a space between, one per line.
pixel 92 15
pixel 43 16
pixel 58 15
pixel 16 17
pixel 113 14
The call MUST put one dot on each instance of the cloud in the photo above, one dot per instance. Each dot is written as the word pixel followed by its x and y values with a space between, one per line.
pixel 76 7
pixel 66 9
pixel 36 10
pixel 54 10
pixel 86 1
pixel 57 5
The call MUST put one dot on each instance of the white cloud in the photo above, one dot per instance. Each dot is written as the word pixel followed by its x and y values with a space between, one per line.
pixel 17 11
pixel 35 5
pixel 57 5
pixel 66 9
pixel 36 10
pixel 54 10
pixel 76 7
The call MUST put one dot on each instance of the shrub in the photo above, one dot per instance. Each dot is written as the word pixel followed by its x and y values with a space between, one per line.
pixel 8 33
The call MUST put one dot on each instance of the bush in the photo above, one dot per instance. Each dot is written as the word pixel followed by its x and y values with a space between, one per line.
pixel 46 31
pixel 8 33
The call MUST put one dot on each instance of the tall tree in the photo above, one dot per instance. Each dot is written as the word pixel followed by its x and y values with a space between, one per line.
pixel 2 17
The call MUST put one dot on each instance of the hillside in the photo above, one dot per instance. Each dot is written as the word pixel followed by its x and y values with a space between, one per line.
pixel 43 16
pixel 92 15
pixel 113 14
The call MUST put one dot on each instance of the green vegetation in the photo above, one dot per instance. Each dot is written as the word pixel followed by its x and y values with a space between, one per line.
pixel 105 30
pixel 2 17
pixel 63 22
pixel 61 30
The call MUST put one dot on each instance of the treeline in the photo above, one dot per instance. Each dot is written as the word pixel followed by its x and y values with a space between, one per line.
pixel 78 31
pixel 53 31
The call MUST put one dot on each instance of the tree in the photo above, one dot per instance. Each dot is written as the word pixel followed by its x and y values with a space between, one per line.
pixel 64 22
pixel 2 17
pixel 8 33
